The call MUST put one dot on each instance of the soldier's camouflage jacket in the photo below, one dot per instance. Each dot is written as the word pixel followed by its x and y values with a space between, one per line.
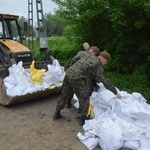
pixel 79 55
pixel 89 68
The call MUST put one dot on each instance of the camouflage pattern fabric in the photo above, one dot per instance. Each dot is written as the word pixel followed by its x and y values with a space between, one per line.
pixel 66 94
pixel 79 55
pixel 79 79
pixel 82 91
pixel 89 68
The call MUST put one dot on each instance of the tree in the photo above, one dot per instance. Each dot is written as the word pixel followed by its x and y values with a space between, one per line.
pixel 120 27
pixel 54 24
pixel 21 23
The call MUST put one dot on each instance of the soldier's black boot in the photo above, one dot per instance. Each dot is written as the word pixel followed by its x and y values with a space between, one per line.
pixel 68 105
pixel 57 115
pixel 82 120
pixel 79 110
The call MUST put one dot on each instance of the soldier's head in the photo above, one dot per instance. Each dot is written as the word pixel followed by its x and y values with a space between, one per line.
pixel 104 57
pixel 94 50
pixel 86 46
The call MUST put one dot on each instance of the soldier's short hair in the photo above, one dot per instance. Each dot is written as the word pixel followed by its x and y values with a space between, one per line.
pixel 106 55
pixel 96 50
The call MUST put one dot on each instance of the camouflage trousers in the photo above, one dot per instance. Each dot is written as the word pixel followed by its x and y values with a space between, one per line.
pixel 81 88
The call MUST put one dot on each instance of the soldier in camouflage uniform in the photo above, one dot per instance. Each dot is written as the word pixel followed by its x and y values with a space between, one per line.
pixel 94 50
pixel 86 46
pixel 78 79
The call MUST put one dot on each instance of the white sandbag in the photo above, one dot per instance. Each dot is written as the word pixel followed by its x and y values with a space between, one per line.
pixel 7 85
pixel 110 135
pixel 97 111
pixel 27 91
pixel 138 96
pixel 102 87
pixel 90 141
pixel 75 97
pixel 122 120
pixel 58 84
pixel 144 142
pixel 96 99
pixel 45 86
pixel 136 110
pixel 76 105
pixel 109 96
pixel 13 91
pixel 143 148
pixel 39 87
pixel 18 71
pixel 49 78
pixel 15 68
pixel 131 144
pixel 56 70
pixel 23 85
pixel 129 130
pixel 91 125
pixel 10 80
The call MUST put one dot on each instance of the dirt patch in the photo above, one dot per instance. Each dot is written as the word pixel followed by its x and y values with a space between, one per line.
pixel 30 126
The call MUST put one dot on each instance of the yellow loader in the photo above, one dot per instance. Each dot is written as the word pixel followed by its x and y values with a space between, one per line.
pixel 12 52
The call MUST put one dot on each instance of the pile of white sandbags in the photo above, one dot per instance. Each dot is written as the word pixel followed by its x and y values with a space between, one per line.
pixel 19 80
pixel 118 122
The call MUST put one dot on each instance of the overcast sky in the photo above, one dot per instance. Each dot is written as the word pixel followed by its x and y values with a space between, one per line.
pixel 20 7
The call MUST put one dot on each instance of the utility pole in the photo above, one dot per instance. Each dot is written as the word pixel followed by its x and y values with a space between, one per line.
pixel 40 20
pixel 40 30
pixel 30 24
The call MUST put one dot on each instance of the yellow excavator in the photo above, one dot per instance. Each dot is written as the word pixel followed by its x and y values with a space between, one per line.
pixel 12 52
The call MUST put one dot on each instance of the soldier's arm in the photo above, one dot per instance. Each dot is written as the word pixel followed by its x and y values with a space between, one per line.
pixel 75 59
pixel 79 55
pixel 101 77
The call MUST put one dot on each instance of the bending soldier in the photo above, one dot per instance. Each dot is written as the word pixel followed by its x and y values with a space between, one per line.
pixel 79 79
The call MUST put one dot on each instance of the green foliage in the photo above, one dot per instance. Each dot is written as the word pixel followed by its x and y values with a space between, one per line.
pixel 63 49
pixel 136 82
pixel 21 23
pixel 14 27
pixel 120 27
pixel 38 55
pixel 55 25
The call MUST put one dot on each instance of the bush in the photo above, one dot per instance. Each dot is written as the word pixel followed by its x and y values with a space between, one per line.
pixel 63 50
pixel 131 83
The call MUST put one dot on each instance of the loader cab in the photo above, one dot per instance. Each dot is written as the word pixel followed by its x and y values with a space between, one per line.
pixel 12 49
pixel 9 27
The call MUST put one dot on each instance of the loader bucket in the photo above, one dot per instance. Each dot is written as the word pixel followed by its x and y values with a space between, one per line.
pixel 6 100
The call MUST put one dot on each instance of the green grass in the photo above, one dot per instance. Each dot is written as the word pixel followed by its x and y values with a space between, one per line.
pixel 63 49
pixel 131 83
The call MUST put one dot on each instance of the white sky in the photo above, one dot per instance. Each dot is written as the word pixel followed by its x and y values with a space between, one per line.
pixel 20 7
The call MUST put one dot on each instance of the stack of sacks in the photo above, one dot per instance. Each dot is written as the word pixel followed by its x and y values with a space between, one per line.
pixel 118 122
pixel 23 81
pixel 57 72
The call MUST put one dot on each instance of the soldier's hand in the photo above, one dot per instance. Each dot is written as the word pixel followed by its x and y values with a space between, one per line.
pixel 118 96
